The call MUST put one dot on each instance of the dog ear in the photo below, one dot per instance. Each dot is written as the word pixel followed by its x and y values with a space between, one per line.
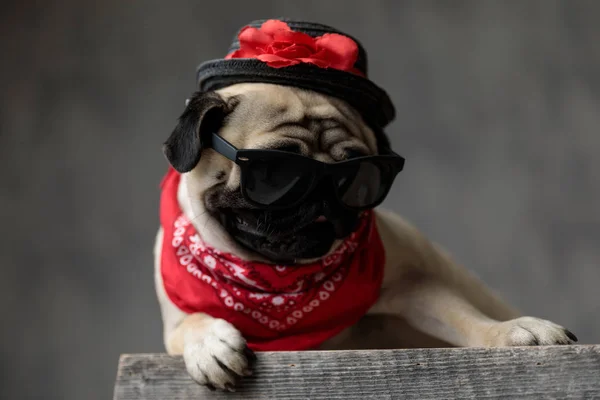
pixel 203 114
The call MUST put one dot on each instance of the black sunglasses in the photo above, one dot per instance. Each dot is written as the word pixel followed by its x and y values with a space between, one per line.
pixel 280 179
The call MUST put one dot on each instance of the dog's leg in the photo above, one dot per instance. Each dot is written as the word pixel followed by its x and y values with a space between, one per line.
pixel 442 311
pixel 437 296
pixel 214 351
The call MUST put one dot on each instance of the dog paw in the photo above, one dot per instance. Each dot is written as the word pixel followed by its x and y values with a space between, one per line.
pixel 218 358
pixel 529 331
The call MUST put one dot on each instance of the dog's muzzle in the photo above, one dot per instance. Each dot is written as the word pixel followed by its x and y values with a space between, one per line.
pixel 286 236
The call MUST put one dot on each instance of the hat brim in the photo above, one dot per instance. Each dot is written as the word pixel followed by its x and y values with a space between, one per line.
pixel 372 102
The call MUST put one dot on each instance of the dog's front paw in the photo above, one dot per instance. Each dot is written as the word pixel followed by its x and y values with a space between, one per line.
pixel 529 331
pixel 218 357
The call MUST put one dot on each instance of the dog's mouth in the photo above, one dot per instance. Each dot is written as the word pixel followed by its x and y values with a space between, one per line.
pixel 288 236
pixel 281 241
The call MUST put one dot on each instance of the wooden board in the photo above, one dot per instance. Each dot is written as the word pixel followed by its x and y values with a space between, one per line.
pixel 545 372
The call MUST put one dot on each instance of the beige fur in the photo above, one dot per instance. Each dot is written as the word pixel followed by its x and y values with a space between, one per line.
pixel 426 300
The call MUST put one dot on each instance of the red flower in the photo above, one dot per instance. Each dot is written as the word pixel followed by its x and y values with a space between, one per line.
pixel 278 46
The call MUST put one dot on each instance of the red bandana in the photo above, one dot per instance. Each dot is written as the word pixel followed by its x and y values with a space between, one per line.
pixel 276 307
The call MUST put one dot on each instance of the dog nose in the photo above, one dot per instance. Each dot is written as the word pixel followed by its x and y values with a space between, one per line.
pixel 344 220
pixel 324 196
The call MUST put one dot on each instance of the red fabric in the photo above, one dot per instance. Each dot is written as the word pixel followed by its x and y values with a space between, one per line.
pixel 277 45
pixel 276 307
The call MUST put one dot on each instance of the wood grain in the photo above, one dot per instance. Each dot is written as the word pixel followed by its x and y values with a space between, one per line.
pixel 546 372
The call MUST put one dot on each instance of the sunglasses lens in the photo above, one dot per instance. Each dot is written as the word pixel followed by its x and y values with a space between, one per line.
pixel 276 182
pixel 362 186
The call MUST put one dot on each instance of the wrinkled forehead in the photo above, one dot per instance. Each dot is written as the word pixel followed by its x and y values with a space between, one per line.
pixel 261 108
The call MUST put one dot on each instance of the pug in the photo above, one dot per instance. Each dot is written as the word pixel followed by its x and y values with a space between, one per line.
pixel 424 297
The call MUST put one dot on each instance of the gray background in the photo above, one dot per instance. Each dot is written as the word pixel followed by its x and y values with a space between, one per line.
pixel 497 116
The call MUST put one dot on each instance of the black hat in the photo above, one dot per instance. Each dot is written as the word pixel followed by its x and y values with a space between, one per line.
pixel 305 55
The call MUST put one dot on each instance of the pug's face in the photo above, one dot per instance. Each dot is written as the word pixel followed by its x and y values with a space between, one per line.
pixel 265 116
